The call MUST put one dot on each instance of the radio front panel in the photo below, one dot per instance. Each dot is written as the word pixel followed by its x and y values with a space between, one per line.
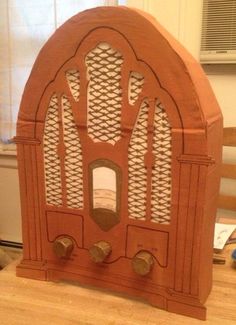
pixel 118 155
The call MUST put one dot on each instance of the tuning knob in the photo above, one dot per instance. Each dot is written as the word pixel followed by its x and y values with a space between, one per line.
pixel 63 247
pixel 99 251
pixel 142 263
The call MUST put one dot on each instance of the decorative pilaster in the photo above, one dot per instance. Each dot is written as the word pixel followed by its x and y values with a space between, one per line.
pixel 193 170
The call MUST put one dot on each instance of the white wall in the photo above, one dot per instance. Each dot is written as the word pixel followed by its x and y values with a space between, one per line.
pixel 10 220
pixel 182 18
pixel 224 86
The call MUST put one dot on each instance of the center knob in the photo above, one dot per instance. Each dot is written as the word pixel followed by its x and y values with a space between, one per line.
pixel 142 263
pixel 99 251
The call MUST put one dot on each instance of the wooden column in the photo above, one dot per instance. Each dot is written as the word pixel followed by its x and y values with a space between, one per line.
pixel 30 207
pixel 193 171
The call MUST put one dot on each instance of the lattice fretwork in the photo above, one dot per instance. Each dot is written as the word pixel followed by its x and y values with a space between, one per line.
pixel 137 183
pixel 104 93
pixel 73 80
pixel 136 81
pixel 73 157
pixel 52 167
pixel 161 173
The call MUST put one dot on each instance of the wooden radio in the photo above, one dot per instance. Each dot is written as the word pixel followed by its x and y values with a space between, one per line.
pixel 119 150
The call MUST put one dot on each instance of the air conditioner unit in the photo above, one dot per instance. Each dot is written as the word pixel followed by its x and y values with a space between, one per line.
pixel 218 42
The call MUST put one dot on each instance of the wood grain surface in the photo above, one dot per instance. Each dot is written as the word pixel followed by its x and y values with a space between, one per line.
pixel 25 301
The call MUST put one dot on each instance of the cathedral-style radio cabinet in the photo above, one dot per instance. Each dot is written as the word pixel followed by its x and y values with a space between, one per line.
pixel 119 150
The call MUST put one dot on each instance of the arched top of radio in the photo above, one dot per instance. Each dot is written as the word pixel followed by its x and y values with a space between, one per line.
pixel 106 84
pixel 147 50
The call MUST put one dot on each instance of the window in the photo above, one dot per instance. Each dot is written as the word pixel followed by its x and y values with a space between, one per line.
pixel 24 28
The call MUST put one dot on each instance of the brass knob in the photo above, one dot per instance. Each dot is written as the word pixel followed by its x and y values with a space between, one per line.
pixel 63 247
pixel 99 251
pixel 142 263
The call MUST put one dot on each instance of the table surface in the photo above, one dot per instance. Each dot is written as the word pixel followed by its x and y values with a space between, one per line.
pixel 25 301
